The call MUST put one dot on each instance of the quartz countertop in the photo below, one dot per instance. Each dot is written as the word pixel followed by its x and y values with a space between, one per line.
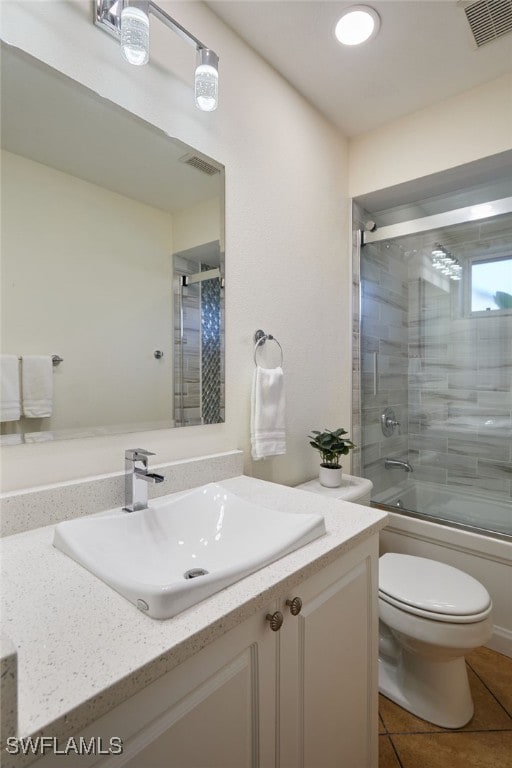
pixel 83 649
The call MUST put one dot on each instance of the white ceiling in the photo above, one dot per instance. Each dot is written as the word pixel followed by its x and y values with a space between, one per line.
pixel 423 53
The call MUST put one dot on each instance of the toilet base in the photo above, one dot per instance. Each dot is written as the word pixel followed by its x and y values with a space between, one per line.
pixel 436 691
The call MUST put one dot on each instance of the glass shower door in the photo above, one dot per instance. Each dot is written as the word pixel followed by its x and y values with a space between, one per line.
pixel 436 371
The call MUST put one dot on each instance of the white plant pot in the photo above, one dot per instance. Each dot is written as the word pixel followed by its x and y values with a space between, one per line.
pixel 330 477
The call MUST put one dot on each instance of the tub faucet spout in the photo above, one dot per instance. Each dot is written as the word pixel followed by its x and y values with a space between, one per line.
pixel 137 479
pixel 393 463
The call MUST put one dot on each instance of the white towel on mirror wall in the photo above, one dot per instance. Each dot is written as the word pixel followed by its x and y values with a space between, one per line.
pixel 268 433
pixel 10 405
pixel 37 386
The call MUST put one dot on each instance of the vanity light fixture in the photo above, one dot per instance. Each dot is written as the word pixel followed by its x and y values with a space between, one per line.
pixel 128 21
pixel 357 24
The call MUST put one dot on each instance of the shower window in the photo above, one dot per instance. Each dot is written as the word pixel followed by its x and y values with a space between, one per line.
pixel 491 285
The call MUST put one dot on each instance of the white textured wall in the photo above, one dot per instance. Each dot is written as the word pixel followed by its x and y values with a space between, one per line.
pixel 287 264
pixel 196 225
pixel 473 125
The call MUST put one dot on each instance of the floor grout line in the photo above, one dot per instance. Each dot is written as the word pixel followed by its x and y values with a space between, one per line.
pixel 490 691
pixel 396 752
pixel 391 735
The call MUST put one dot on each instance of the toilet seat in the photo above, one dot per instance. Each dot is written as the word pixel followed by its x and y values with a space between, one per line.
pixel 432 590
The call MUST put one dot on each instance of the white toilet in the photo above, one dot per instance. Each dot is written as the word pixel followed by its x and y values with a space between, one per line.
pixel 430 616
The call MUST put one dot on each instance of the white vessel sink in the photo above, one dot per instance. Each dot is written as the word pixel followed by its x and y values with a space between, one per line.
pixel 183 549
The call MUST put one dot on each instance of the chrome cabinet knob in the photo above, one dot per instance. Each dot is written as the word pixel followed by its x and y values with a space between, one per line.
pixel 295 606
pixel 276 620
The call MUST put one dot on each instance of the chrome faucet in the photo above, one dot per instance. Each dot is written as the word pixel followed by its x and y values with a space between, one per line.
pixel 137 479
pixel 392 463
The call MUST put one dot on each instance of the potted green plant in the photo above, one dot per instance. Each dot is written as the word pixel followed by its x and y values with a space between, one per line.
pixel 331 444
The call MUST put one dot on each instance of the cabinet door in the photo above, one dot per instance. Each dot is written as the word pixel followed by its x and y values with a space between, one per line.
pixel 328 669
pixel 215 710
pixel 226 718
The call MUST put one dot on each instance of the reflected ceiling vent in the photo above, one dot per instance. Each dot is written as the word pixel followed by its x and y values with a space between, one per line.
pixel 196 161
pixel 489 19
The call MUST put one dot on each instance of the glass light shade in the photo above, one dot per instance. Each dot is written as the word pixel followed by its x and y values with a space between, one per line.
pixel 135 35
pixel 357 25
pixel 206 80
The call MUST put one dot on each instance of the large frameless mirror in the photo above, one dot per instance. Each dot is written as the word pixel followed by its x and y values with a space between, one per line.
pixel 102 216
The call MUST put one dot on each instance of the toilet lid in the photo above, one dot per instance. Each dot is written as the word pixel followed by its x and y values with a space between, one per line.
pixel 427 586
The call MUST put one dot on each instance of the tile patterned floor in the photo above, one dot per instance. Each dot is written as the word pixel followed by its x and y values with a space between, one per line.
pixel 405 741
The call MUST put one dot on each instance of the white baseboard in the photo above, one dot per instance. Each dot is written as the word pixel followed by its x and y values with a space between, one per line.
pixel 501 641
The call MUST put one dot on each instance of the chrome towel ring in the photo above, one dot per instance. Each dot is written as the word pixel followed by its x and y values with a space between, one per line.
pixel 260 337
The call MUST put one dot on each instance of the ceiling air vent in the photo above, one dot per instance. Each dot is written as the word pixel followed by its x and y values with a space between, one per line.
pixel 196 161
pixel 489 19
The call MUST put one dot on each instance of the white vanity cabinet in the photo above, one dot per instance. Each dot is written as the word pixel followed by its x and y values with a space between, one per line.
pixel 328 667
pixel 217 710
pixel 303 696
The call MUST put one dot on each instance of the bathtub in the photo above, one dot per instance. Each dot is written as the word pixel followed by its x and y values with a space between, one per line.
pixel 486 557
pixel 488 516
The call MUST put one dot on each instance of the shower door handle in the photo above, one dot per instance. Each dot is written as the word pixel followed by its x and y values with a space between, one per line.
pixel 375 372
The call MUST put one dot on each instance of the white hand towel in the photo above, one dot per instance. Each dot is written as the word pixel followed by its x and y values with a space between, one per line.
pixel 268 435
pixel 10 406
pixel 37 386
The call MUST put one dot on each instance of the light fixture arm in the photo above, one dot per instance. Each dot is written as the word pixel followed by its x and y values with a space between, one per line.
pixel 180 30
pixel 107 15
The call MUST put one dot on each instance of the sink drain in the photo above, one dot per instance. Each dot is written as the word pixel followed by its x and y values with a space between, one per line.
pixel 194 573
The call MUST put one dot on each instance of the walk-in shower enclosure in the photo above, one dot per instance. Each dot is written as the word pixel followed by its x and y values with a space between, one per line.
pixel 433 362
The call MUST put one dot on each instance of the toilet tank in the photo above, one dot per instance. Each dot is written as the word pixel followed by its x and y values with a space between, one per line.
pixel 355 489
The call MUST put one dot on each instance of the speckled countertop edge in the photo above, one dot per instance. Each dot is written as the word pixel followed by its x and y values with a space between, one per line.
pixel 83 649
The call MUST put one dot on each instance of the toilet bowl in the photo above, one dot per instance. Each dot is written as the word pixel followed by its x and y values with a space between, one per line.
pixel 430 616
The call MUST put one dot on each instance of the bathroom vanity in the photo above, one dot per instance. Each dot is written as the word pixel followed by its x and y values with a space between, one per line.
pixel 222 684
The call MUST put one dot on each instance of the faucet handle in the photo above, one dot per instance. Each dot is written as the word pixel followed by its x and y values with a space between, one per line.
pixel 137 454
pixel 388 422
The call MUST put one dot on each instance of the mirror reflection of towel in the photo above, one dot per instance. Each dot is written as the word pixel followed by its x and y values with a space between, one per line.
pixel 10 406
pixel 37 385
pixel 268 435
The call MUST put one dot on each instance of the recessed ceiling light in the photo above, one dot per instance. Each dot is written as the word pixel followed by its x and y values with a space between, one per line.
pixel 357 24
